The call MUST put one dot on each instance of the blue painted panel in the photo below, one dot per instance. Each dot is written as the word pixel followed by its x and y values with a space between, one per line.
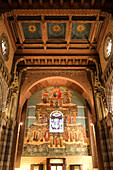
pixel 56 30
pixel 32 30
pixel 80 30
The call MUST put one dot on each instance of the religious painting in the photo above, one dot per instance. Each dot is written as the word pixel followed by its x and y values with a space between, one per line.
pixel 56 124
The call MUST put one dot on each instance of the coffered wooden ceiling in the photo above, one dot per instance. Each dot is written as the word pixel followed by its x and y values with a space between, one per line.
pixel 56 37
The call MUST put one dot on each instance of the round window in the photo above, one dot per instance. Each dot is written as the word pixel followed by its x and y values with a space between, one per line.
pixel 4 47
pixel 108 46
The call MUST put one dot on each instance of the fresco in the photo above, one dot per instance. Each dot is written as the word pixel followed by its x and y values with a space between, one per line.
pixel 56 124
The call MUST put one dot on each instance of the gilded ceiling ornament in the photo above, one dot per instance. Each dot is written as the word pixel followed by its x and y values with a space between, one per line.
pixel 81 28
pixel 56 28
pixel 32 28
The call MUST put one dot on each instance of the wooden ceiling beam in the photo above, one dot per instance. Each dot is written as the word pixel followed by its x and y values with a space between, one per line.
pixel 56 51
pixel 102 33
pixel 8 27
pixel 57 57
pixel 69 31
pixel 44 32
pixel 94 31
pixel 57 68
pixel 60 12
pixel 57 21
pixel 18 30
pixel 81 45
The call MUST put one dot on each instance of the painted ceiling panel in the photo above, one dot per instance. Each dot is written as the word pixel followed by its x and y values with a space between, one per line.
pixel 56 30
pixel 80 30
pixel 32 30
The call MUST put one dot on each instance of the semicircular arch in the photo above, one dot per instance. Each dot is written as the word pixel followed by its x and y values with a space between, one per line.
pixel 85 92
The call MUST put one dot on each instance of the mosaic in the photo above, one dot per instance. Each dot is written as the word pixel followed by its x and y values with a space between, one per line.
pixel 59 127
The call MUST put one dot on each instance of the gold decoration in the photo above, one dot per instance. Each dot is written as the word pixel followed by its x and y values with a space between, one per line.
pixel 80 28
pixel 56 28
pixel 32 28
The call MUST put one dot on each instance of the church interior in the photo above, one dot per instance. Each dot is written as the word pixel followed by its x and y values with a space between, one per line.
pixel 56 86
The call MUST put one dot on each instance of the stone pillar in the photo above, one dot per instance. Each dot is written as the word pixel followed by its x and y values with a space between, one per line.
pixel 8 128
pixel 93 146
pixel 20 139
pixel 99 147
pixel 100 103
pixel 104 146
pixel 4 132
pixel 109 138
pixel 8 147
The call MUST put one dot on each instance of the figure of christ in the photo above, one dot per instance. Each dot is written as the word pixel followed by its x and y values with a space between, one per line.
pixel 51 141
pixel 54 94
